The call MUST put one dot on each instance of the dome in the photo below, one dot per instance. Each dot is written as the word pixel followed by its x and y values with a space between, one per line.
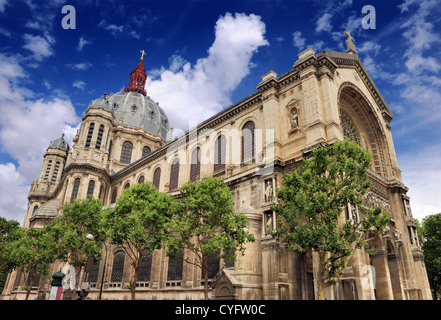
pixel 59 144
pixel 135 110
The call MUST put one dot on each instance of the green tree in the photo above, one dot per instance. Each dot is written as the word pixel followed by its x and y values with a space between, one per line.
pixel 312 199
pixel 9 231
pixel 79 219
pixel 430 238
pixel 33 252
pixel 139 223
pixel 207 225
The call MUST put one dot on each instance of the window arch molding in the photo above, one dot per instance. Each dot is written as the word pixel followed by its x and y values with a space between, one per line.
pixel 219 148
pixel 174 174
pixel 195 163
pixel 248 141
pixel 156 176
pixel 126 152
pixel 372 122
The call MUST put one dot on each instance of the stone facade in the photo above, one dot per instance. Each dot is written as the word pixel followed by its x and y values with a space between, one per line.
pixel 324 98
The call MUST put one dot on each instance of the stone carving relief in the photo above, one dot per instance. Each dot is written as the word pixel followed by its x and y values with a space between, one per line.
pixel 294 120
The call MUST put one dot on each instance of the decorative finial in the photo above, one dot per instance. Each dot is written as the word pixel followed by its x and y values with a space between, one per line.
pixel 350 43
pixel 142 55
pixel 62 135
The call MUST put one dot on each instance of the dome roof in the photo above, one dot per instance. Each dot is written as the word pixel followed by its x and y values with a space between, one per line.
pixel 60 144
pixel 135 110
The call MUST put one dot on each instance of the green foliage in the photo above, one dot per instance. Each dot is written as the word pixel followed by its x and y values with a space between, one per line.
pixel 34 250
pixel 140 217
pixel 139 223
pixel 312 199
pixel 430 238
pixel 9 231
pixel 206 224
pixel 79 218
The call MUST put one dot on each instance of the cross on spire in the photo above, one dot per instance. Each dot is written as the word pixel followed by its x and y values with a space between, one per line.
pixel 142 54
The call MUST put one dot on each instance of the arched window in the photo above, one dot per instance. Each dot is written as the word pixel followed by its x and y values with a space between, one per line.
pixel 248 143
pixel 219 153
pixel 34 210
pixel 55 174
pixel 91 187
pixel 157 177
pixel 146 266
pixel 127 185
pixel 195 168
pixel 89 135
pixel 350 130
pixel 76 186
pixel 126 152
pixel 48 169
pixel 113 198
pixel 174 174
pixel 145 151
pixel 118 267
pixel 100 137
pixel 141 179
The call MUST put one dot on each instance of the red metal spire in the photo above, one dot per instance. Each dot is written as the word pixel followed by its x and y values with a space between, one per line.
pixel 137 78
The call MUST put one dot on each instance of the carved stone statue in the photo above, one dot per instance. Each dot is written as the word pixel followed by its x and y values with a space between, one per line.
pixel 294 119
pixel 268 191
pixel 269 222
pixel 350 43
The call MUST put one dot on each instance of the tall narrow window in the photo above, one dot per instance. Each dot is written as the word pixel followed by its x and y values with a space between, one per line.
pixel 175 266
pixel 174 174
pixel 76 186
pixel 145 151
pixel 89 135
pixel 118 267
pixel 56 169
pixel 91 187
pixel 141 179
pixel 126 152
pixel 195 168
pixel 48 169
pixel 127 185
pixel 93 275
pixel 99 137
pixel 219 154
pixel 145 266
pixel 35 210
pixel 248 143
pixel 113 198
pixel 157 177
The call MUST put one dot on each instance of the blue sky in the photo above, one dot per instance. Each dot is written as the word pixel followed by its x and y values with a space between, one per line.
pixel 203 56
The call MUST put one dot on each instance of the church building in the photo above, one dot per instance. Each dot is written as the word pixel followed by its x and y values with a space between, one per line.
pixel 125 139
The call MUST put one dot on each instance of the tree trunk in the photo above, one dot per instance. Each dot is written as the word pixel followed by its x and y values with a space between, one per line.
pixel 29 287
pixel 133 284
pixel 320 276
pixel 205 272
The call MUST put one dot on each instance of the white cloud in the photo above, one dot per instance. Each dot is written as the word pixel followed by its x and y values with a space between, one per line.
pixel 79 66
pixel 324 23
pixel 26 128
pixel 3 4
pixel 39 46
pixel 196 92
pixel 12 204
pixel 81 43
pixel 299 41
pixel 421 173
pixel 79 84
